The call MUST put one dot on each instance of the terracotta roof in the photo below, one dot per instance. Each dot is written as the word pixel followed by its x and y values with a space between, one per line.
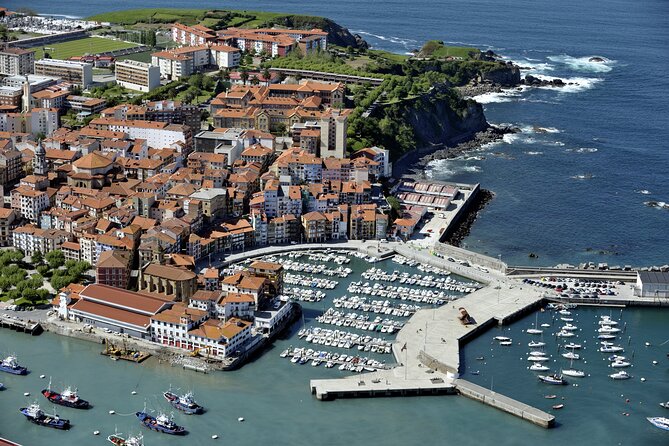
pixel 92 161
pixel 236 298
pixel 113 259
pixel 169 272
pixel 121 298
pixel 117 314
pixel 266 265
pixel 206 295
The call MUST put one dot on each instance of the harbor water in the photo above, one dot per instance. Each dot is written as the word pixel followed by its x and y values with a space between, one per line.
pixel 273 397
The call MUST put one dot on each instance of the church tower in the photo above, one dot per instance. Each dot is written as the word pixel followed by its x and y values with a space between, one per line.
pixel 27 97
pixel 39 161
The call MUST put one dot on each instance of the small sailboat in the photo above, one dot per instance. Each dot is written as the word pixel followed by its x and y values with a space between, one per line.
pixel 611 349
pixel 572 346
pixel 565 334
pixel 506 343
pixel 571 355
pixel 550 397
pixel 501 338
pixel 535 330
pixel 569 327
pixel 536 344
pixel 659 422
pixel 554 379
pixel 537 358
pixel 608 329
pixel 567 319
pixel 606 336
pixel 619 364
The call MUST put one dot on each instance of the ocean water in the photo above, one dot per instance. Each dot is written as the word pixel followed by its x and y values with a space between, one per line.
pixel 574 195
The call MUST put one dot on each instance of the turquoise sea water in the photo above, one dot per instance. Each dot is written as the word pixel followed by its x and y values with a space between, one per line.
pixel 273 396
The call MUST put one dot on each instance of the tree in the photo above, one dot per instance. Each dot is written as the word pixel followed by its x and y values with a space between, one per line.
pixel 255 80
pixel 151 38
pixel 43 270
pixel 30 294
pixel 244 75
pixel 266 74
pixel 36 258
pixel 56 259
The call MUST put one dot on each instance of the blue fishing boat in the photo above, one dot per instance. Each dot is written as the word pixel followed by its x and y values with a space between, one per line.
pixel 34 414
pixel 161 423
pixel 185 403
pixel 11 365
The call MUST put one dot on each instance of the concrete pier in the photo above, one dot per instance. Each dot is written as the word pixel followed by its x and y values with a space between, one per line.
pixel 504 403
pixel 33 328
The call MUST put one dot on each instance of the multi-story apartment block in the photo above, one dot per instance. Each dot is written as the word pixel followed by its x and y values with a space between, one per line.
pixel 192 35
pixel 137 75
pixel 30 239
pixel 113 268
pixel 156 134
pixel 181 62
pixel 16 61
pixel 7 219
pixel 77 73
pixel 37 121
pixel 275 42
pixel 28 203
pixel 172 112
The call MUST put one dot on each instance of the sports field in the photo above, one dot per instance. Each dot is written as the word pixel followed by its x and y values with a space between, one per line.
pixel 80 47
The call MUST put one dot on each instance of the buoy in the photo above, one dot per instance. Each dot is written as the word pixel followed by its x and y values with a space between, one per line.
pixel 42 376
pixel 240 419
pixel 214 436
pixel 111 412
pixel 96 432
pixel 133 393
pixel 26 394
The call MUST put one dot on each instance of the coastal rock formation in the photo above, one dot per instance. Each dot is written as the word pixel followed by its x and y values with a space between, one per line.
pixel 536 82
pixel 506 76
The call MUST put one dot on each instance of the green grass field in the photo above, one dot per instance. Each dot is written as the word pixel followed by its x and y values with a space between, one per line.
pixel 437 49
pixel 89 45
pixel 246 19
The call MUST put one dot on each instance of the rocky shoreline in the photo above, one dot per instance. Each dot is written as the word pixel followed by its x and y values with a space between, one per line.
pixel 456 237
pixel 413 164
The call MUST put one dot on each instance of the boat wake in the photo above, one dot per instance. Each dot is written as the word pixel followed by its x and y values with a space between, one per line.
pixel 583 176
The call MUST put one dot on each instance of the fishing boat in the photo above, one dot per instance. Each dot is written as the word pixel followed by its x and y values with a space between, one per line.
pixel 538 367
pixel 572 346
pixel 611 349
pixel 67 397
pixel 659 422
pixel 35 415
pixel 571 355
pixel 11 365
pixel 554 379
pixel 118 440
pixel 558 406
pixel 620 364
pixel 161 423
pixel 536 344
pixel 620 375
pixel 185 403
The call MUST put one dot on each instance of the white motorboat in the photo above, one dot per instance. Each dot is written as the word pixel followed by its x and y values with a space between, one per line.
pixel 565 334
pixel 606 336
pixel 570 327
pixel 571 355
pixel 573 372
pixel 620 364
pixel 606 320
pixel 538 358
pixel 565 312
pixel 539 367
pixel 537 353
pixel 567 319
pixel 572 346
pixel 620 375
pixel 501 338
pixel 506 343
pixel 605 343
pixel 613 358
pixel 552 379
pixel 608 329
pixel 659 422
pixel 536 344
pixel 611 349
pixel 545 325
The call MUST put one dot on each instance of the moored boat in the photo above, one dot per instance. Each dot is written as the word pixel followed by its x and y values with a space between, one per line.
pixel 11 365
pixel 665 405
pixel 35 415
pixel 68 397
pixel 620 375
pixel 118 440
pixel 185 403
pixel 574 373
pixel 611 349
pixel 161 423
pixel 571 355
pixel 572 346
pixel 620 364
pixel 536 344
pixel 554 379
pixel 558 406
pixel 659 422
pixel 538 367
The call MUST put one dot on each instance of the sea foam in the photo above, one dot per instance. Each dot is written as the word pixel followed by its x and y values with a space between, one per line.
pixel 583 63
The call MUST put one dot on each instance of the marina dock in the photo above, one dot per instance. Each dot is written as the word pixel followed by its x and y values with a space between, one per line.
pixel 33 328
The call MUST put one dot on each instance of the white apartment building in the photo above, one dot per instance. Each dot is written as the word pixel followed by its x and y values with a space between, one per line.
pixel 137 75
pixel 78 73
pixel 157 134
pixel 16 61
pixel 39 120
